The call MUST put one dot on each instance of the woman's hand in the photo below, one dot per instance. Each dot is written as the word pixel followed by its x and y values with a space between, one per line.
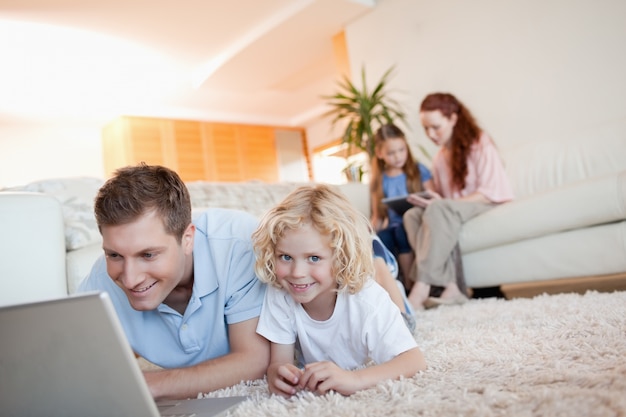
pixel 423 198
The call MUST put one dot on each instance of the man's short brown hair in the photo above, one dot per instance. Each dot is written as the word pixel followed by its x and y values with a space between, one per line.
pixel 135 190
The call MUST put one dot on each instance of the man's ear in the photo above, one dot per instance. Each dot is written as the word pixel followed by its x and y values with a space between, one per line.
pixel 187 240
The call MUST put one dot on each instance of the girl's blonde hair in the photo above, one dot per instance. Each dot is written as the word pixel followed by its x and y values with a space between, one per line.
pixel 327 210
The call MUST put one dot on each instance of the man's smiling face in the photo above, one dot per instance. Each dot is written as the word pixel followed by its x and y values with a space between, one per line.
pixel 145 261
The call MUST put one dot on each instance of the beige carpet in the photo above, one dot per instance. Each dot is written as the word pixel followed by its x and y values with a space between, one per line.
pixel 560 355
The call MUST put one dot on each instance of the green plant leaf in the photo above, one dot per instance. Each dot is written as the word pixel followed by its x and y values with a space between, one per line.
pixel 363 111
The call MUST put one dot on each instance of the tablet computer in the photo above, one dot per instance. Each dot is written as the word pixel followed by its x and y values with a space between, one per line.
pixel 399 204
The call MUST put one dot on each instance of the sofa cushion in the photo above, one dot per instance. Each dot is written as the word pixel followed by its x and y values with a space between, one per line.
pixel 584 252
pixel 586 203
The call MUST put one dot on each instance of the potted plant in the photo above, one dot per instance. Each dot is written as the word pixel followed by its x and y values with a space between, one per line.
pixel 363 111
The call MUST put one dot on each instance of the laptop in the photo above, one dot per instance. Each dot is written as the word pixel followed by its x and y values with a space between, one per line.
pixel 70 357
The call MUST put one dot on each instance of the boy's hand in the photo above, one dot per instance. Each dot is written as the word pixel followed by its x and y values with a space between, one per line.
pixel 322 377
pixel 283 379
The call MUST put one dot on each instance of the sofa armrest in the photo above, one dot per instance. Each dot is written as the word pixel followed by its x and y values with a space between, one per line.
pixel 586 203
pixel 32 248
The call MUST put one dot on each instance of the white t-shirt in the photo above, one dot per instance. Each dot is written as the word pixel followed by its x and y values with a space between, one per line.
pixel 364 326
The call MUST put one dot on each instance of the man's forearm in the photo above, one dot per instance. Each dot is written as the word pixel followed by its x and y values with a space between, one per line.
pixel 211 375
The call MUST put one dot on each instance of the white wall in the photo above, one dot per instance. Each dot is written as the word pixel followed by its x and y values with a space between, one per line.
pixel 291 162
pixel 33 152
pixel 527 69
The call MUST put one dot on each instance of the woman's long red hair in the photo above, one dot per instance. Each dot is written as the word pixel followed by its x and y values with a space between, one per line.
pixel 464 134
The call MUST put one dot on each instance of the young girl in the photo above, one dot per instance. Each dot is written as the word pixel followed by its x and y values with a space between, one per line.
pixel 315 251
pixel 469 179
pixel 395 174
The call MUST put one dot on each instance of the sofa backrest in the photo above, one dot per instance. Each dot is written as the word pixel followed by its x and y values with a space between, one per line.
pixel 257 197
pixel 540 165
pixel 76 195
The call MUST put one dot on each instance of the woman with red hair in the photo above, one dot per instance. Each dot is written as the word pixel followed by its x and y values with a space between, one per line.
pixel 468 179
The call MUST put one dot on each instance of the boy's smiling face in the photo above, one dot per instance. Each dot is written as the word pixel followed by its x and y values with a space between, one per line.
pixel 304 262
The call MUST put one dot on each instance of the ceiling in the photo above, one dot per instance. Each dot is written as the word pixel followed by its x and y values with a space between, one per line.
pixel 251 61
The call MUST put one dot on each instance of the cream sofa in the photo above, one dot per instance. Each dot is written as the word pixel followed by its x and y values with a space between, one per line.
pixel 566 229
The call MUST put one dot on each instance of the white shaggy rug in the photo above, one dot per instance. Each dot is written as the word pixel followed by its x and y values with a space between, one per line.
pixel 559 355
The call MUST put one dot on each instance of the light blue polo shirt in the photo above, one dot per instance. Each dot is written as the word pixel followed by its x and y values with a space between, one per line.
pixel 225 291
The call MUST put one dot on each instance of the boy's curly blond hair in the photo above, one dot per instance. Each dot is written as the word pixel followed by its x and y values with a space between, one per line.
pixel 327 210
